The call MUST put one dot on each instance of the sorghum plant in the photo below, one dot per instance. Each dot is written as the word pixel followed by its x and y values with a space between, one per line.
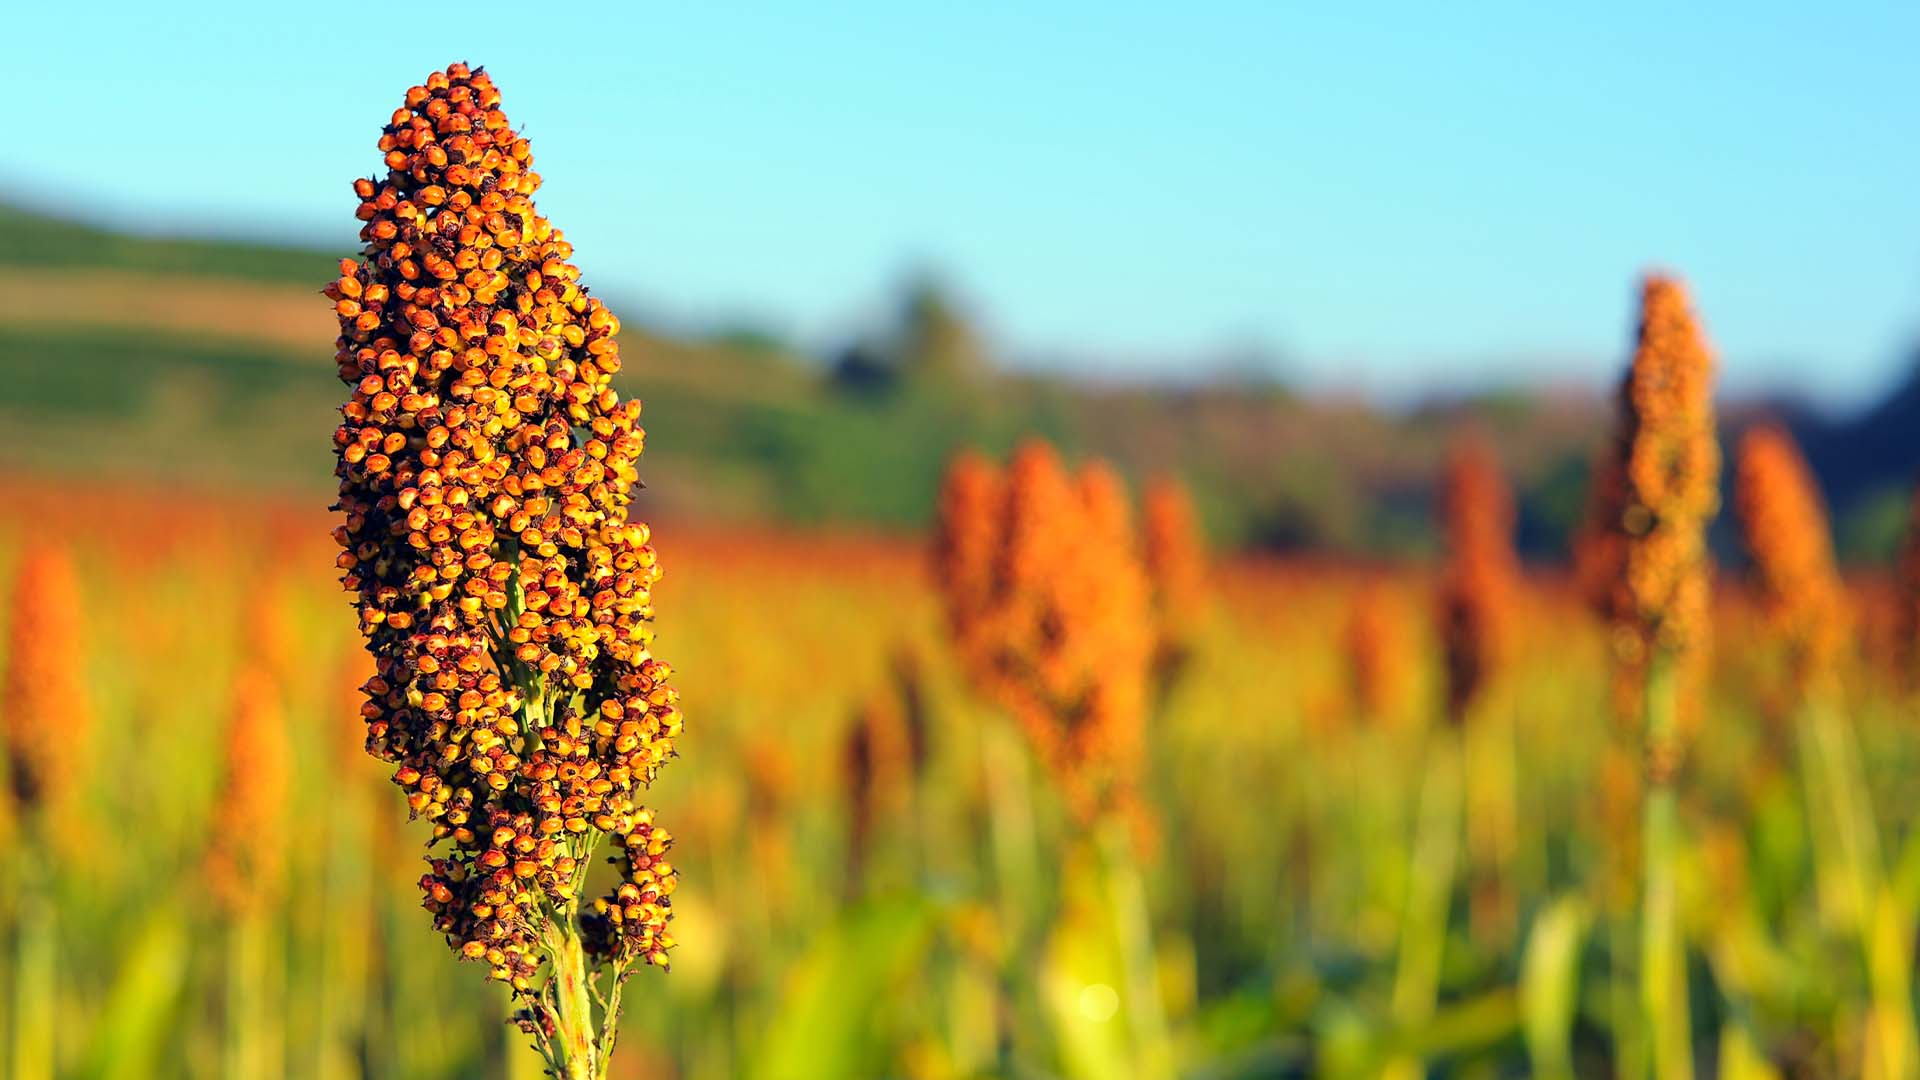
pixel 245 865
pixel 1478 585
pixel 1048 607
pixel 1479 608
pixel 1476 594
pixel 1907 597
pixel 1665 477
pixel 1044 590
pixel 1378 654
pixel 1176 564
pixel 486 468
pixel 245 858
pixel 45 701
pixel 876 762
pixel 1784 522
pixel 44 723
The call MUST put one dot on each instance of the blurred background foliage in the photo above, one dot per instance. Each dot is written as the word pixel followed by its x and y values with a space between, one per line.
pixel 205 362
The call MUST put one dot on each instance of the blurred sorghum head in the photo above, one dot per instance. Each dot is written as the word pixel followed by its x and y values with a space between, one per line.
pixel 44 706
pixel 1176 565
pixel 1644 558
pixel 247 841
pixel 1784 522
pixel 1048 605
pixel 1479 583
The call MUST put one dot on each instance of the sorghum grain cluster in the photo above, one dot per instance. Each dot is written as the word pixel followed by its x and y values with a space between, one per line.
pixel 1479 583
pixel 1784 521
pixel 486 468
pixel 1048 605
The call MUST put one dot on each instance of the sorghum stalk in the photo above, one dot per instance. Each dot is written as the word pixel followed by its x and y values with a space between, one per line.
pixel 1664 489
pixel 1475 601
pixel 877 773
pixel 486 470
pixel 1479 589
pixel 45 728
pixel 1048 606
pixel 245 863
pixel 346 881
pixel 1423 928
pixel 35 971
pixel 1783 520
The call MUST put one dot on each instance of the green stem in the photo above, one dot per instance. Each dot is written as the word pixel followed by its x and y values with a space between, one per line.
pixel 1423 931
pixel 1134 932
pixel 573 1039
pixel 1016 873
pixel 1872 909
pixel 1623 999
pixel 243 1051
pixel 34 974
pixel 1663 971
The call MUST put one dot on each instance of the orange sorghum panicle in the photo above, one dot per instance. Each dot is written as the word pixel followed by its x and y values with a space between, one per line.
pixel 1479 583
pixel 1672 468
pixel 876 762
pixel 1048 607
pixel 1784 521
pixel 46 712
pixel 1664 483
pixel 1599 545
pixel 1115 627
pixel 1907 598
pixel 1176 565
pixel 1378 654
pixel 486 467
pixel 246 853
pixel 967 526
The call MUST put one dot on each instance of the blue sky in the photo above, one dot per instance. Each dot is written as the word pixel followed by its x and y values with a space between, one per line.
pixel 1391 196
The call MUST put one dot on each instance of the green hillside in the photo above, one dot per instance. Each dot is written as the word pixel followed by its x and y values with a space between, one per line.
pixel 184 361
pixel 36 240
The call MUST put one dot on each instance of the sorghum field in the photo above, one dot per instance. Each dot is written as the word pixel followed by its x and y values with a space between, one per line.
pixel 879 877
pixel 461 770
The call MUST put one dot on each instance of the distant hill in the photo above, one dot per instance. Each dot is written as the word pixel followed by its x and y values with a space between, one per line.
pixel 39 241
pixel 209 363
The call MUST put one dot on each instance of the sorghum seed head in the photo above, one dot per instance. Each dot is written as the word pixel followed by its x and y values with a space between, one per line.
pixel 1653 501
pixel 1907 612
pixel 1479 583
pixel 46 713
pixel 1048 605
pixel 246 854
pixel 1671 465
pixel 486 469
pixel 1176 566
pixel 1378 653
pixel 1784 522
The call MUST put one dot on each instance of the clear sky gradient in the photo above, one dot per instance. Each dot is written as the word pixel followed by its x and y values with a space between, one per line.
pixel 1391 196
